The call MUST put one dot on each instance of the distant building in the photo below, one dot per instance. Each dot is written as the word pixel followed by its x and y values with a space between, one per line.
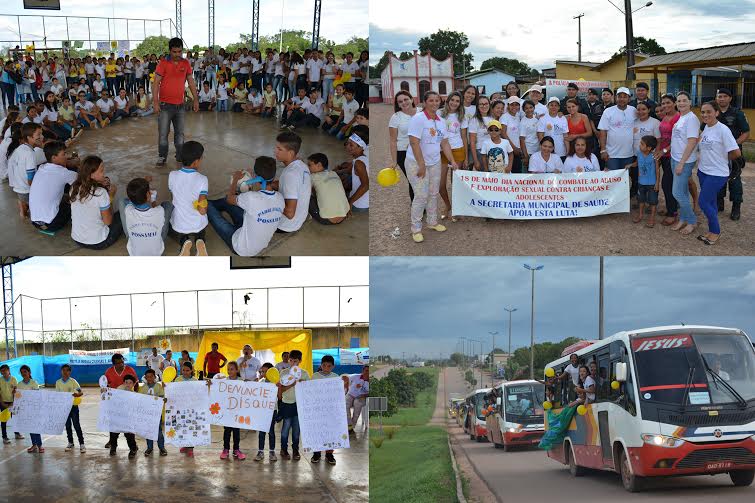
pixel 487 81
pixel 500 359
pixel 418 364
pixel 418 74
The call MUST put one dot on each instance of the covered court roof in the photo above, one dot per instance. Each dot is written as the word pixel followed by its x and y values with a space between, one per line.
pixel 722 55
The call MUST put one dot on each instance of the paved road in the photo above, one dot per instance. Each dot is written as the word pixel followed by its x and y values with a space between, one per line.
pixel 528 475
pixel 381 371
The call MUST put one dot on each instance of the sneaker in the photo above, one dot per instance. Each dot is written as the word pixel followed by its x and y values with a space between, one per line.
pixel 82 449
pixel 31 449
pixel 41 449
pixel 296 456
pixel 161 162
pixel 418 237
pixel 69 448
pixel 239 455
pixel 285 455
pixel 190 452
pixel 439 227
pixel 148 452
pixel 132 454
pixel 330 459
pixel 224 454
pixel 163 452
pixel 18 436
pixel 78 133
pixel 112 451
pixel 185 249
pixel 182 450
pixel 107 445
pixel 316 457
pixel 201 248
pixel 5 440
pixel 272 457
pixel 260 456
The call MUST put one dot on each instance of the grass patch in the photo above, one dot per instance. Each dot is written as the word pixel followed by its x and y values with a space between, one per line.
pixel 415 466
pixel 748 150
pixel 424 407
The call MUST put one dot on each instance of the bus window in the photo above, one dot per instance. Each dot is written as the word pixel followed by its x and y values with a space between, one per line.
pixel 602 384
pixel 623 396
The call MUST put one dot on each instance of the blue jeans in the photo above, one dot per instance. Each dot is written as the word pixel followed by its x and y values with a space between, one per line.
pixel 73 421
pixel 210 76
pixel 270 436
pixel 36 439
pixel 223 227
pixel 290 423
pixel 681 192
pixel 160 440
pixel 618 163
pixel 709 187
pixel 327 88
pixel 174 114
pixel 278 86
pixel 222 106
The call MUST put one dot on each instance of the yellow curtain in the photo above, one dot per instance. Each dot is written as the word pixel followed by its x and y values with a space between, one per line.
pixel 231 343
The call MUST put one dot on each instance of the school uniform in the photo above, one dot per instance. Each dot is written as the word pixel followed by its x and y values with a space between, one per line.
pixel 22 166
pixel 329 197
pixel 145 227
pixel 71 386
pixel 49 210
pixel 187 185
pixel 254 219
pixel 290 414
pixel 7 387
pixel 88 229
pixel 156 390
pixel 295 184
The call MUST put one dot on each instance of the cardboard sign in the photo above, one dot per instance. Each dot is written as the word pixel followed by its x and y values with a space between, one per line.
pixel 242 404
pixel 187 422
pixel 124 411
pixel 321 405
pixel 40 411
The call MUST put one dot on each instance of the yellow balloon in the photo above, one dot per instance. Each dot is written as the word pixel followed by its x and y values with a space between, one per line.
pixel 272 375
pixel 581 410
pixel 169 374
pixel 615 385
pixel 5 415
pixel 77 400
pixel 387 177
pixel 547 405
pixel 549 372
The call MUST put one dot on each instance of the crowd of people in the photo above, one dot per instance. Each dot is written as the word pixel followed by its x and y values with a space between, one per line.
pixel 53 186
pixel 660 145
pixel 246 368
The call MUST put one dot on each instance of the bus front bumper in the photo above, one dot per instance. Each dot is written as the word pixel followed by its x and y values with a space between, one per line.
pixel 527 437
pixel 693 459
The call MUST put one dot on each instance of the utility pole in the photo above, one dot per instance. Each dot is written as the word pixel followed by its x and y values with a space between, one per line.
pixel 630 38
pixel 601 333
pixel 532 269
pixel 509 351
pixel 492 358
pixel 579 35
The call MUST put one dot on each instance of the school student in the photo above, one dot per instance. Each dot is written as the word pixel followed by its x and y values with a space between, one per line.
pixel 348 113
pixel 152 387
pixel 269 101
pixel 106 106
pixel 228 431
pixel 288 409
pixel 27 383
pixel 271 433
pixel 48 199
pixel 222 93
pixel 143 106
pixel 294 183
pixel 187 374
pixel 8 386
pixel 129 381
pixel 254 102
pixel 22 164
pixel 356 146
pixel 206 98
pixel 94 224
pixel 145 222
pixel 189 188
pixel 326 372
pixel 89 115
pixel 359 388
pixel 67 384
pixel 328 204
pixel 284 363
pixel 123 108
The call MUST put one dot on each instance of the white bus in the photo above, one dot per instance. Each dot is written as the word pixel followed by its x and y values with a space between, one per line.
pixel 474 422
pixel 683 404
pixel 518 415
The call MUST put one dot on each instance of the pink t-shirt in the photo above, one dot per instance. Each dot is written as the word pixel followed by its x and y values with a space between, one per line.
pixel 666 126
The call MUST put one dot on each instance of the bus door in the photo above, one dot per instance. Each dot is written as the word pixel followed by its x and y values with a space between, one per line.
pixel 601 395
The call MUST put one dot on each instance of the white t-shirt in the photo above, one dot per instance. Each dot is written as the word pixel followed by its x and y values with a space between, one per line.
pixel 223 91
pixel 573 372
pixel 254 99
pixel 513 127
pixel 573 162
pixel 364 201
pixel 87 225
pixel 650 127
pixel 144 232
pixel 128 66
pixel 589 381
pixel 101 70
pixel 139 71
pixel 715 144
pixel 57 89
pixel 50 115
pixel 244 60
pixel 351 68
pixel 400 122
pixel 540 165
pixel 469 112
pixel 248 368
pixel 295 184
pixel 430 133
pixel 313 69
pixel 21 164
pixel 105 105
pixel 358 386
pixel 47 191
pixel 262 215
pixel 317 108
pixel 206 96
pixel 454 127
pixel 153 362
pixel 619 125
pixel 481 130
pixel 121 103
pixel 98 85
pixel 528 131
pixel 4 157
pixel 36 120
pixel 688 126
pixel 556 128
pixel 187 185
pixel 540 110
pixel 89 68
pixel 329 70
pixel 498 154
pixel 87 106
pixel 349 109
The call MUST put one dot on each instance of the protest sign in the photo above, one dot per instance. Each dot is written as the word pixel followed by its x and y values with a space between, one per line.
pixel 536 196
pixel 242 404
pixel 187 422
pixel 321 405
pixel 124 411
pixel 100 357
pixel 40 411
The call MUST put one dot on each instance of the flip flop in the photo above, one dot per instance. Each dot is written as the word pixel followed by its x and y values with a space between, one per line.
pixel 650 225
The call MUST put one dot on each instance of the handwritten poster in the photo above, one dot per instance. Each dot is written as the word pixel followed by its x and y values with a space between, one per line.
pixel 124 411
pixel 241 404
pixel 40 411
pixel 322 414
pixel 187 422
pixel 99 357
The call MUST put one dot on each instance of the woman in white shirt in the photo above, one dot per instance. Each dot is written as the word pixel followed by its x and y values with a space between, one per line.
pixel 554 126
pixel 683 156
pixel 94 224
pixel 545 161
pixel 528 133
pixel 580 158
pixel 478 129
pixel 404 110
pixel 456 126
pixel 328 75
pixel 717 147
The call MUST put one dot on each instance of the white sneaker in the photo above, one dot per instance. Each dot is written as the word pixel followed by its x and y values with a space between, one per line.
pixel 186 248
pixel 69 448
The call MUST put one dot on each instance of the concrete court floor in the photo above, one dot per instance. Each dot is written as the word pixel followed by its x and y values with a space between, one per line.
pixel 57 475
pixel 232 141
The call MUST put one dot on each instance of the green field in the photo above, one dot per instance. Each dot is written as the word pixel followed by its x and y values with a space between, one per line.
pixel 413 466
pixel 425 403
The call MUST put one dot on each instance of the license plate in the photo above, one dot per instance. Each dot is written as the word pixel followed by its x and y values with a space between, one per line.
pixel 719 465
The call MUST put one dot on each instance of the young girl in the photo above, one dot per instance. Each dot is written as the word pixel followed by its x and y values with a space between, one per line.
pixel 152 387
pixel 28 383
pixel 67 118
pixel 478 130
pixel 585 389
pixel 122 106
pixel 8 386
pixel 222 93
pixel 187 374
pixel 67 384
pixel 94 223
pixel 50 118
pixel 356 147
pixel 545 161
pixel 233 374
pixel 528 133
pixel 580 157
pixel 143 105
pixel 4 144
pixel 239 97
pixel 456 125
pixel 270 434
pixel 555 126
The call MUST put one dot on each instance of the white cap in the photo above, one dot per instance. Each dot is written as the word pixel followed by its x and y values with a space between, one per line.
pixel 536 87
pixel 514 99
pixel 553 98
pixel 623 90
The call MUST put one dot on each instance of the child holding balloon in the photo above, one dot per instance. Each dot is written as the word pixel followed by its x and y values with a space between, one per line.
pixel 68 384
pixel 268 374
pixel 8 385
pixel 27 383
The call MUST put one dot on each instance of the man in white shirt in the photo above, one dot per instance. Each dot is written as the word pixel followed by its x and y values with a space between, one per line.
pixel 153 362
pixel 49 210
pixel 314 68
pixel 616 132
pixel 358 389
pixel 294 184
pixel 248 364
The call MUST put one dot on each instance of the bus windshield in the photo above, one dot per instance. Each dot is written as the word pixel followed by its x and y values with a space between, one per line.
pixel 479 401
pixel 524 401
pixel 684 369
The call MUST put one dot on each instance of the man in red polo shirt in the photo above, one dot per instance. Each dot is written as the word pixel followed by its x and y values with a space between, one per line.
pixel 171 75
pixel 212 360
pixel 115 375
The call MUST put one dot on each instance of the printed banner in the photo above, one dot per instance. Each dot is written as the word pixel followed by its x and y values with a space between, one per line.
pixel 124 411
pixel 40 411
pixel 101 357
pixel 321 405
pixel 187 422
pixel 242 404
pixel 142 355
pixel 537 196
pixel 350 357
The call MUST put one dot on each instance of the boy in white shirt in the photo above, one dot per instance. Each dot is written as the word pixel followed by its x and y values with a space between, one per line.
pixel 350 106
pixel 189 189
pixel 293 109
pixel 314 110
pixel 89 115
pixel 206 98
pixel 22 165
pixel 56 88
pixel 255 215
pixel 294 183
pixel 106 106
pixel 98 85
pixel 254 102
pixel 145 223
pixel 50 210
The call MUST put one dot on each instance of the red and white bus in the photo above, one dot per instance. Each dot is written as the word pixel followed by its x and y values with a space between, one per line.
pixel 674 400
pixel 474 423
pixel 518 415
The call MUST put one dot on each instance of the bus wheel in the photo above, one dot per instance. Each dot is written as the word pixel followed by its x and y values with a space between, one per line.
pixel 574 468
pixel 481 439
pixel 631 482
pixel 471 436
pixel 742 477
pixel 506 448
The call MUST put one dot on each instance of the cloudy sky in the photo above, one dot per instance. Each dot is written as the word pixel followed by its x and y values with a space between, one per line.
pixel 422 306
pixel 340 19
pixel 47 277
pixel 546 31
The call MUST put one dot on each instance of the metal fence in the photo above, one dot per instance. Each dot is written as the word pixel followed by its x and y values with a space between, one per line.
pixel 120 319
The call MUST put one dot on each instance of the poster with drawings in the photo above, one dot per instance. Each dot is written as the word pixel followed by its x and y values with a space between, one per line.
pixel 40 411
pixel 129 412
pixel 321 405
pixel 186 414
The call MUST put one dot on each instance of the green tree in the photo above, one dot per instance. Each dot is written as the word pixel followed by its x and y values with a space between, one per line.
pixel 469 376
pixel 405 391
pixel 649 46
pixel 511 66
pixel 544 353
pixel 457 358
pixel 444 42
pixel 151 45
pixel 376 70
pixel 421 381
pixel 383 387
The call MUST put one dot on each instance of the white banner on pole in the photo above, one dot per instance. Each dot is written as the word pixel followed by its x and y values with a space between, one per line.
pixel 187 422
pixel 40 411
pixel 536 196
pixel 321 405
pixel 124 411
pixel 243 404
pixel 99 357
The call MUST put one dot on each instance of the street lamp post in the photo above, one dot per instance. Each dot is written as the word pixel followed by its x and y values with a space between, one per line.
pixel 532 269
pixel 492 358
pixel 509 350
pixel 472 347
pixel 601 333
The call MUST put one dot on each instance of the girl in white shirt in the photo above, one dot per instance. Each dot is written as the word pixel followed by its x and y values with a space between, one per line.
pixel 94 223
pixel 478 129
pixel 545 161
pixel 357 147
pixel 404 110
pixel 511 125
pixel 528 133
pixel 456 126
pixel 328 75
pixel 580 158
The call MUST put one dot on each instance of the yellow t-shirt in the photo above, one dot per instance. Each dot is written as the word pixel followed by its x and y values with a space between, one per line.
pixel 82 71
pixel 66 113
pixel 6 388
pixel 337 105
pixel 157 389
pixel 32 384
pixel 331 197
pixel 289 396
pixel 71 385
pixel 110 70
pixel 240 95
pixel 268 97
